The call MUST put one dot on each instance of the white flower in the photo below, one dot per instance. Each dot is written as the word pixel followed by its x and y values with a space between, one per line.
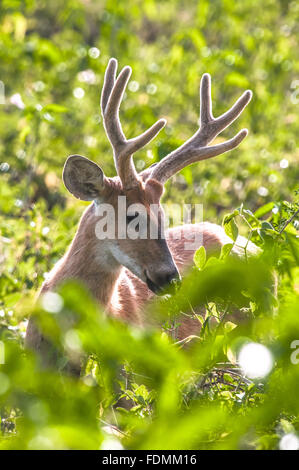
pixel 16 99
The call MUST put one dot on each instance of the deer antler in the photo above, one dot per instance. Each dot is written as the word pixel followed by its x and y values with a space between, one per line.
pixel 196 148
pixel 123 149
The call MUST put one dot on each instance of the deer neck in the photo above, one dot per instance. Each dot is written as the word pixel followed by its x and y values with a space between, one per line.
pixel 88 260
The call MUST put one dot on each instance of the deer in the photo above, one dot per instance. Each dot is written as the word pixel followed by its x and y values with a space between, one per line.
pixel 121 273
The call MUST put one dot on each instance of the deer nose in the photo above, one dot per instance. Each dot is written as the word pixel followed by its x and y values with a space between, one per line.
pixel 162 283
pixel 173 277
pixel 173 283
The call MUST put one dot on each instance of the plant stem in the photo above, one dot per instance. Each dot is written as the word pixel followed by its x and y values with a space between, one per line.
pixel 289 221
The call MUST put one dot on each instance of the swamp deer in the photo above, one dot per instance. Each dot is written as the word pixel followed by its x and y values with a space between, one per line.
pixel 122 273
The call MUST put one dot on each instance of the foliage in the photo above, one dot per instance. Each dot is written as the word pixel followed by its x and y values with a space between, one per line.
pixel 146 389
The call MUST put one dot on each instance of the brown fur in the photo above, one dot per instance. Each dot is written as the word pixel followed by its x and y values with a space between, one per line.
pixel 121 292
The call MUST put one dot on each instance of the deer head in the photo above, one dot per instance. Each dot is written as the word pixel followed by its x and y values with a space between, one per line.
pixel 147 257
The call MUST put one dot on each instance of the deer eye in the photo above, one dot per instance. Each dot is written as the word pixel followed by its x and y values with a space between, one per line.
pixel 132 217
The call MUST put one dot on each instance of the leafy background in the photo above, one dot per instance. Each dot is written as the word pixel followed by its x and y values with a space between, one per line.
pixel 53 56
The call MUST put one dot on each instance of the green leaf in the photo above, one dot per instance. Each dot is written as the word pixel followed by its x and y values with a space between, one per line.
pixel 55 108
pixel 264 209
pixel 231 229
pixel 266 225
pixel 212 261
pixel 229 326
pixel 200 257
pixel 225 250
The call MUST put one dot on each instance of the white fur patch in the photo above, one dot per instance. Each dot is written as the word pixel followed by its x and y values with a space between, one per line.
pixel 126 261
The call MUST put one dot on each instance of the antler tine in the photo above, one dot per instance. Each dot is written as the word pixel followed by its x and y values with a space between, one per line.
pixel 111 114
pixel 123 149
pixel 205 100
pixel 143 139
pixel 109 81
pixel 231 115
pixel 215 150
pixel 196 148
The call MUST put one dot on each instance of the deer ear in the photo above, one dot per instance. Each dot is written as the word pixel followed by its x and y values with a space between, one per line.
pixel 83 178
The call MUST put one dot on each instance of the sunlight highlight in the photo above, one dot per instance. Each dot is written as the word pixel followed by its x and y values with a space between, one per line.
pixel 255 360
pixel 289 442
pixel 52 302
